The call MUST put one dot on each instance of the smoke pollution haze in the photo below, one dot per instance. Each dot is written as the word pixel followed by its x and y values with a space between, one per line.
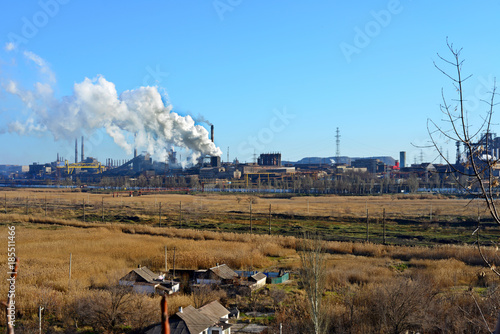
pixel 96 104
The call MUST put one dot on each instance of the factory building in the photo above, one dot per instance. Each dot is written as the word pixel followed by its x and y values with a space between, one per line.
pixel 371 165
pixel 269 159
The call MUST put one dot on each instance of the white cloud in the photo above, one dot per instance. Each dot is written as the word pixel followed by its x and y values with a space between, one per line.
pixel 42 64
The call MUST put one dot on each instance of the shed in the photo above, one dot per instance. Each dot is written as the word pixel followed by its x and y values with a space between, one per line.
pixel 259 280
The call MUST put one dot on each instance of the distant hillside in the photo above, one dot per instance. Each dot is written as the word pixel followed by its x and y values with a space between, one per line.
pixel 343 160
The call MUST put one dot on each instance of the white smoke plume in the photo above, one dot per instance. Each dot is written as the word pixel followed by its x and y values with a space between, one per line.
pixel 96 104
pixel 201 119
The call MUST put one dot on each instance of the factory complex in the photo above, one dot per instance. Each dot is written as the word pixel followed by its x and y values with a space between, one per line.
pixel 339 174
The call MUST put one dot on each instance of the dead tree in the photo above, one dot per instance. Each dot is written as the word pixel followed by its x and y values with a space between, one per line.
pixel 478 163
pixel 474 171
pixel 312 278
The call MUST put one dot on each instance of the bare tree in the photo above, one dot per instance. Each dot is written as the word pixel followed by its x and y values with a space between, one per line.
pixel 313 278
pixel 398 305
pixel 205 293
pixel 479 164
pixel 278 296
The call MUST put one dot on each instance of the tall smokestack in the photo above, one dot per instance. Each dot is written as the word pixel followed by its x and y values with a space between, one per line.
pixel 212 132
pixel 135 147
pixel 76 150
pixel 83 155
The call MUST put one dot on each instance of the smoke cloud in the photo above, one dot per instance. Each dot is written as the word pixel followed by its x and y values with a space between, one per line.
pixel 201 119
pixel 96 104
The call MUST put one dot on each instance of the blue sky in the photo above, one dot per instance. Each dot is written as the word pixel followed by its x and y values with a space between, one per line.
pixel 270 75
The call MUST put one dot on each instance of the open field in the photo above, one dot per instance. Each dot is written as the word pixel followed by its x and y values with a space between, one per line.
pixel 101 253
pixel 409 219
pixel 441 280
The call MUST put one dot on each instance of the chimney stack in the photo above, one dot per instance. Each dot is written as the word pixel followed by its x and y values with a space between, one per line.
pixel 83 155
pixel 212 132
pixel 135 146
pixel 76 150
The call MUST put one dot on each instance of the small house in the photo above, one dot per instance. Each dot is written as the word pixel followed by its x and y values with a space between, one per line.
pixel 209 319
pixel 258 280
pixel 220 274
pixel 143 280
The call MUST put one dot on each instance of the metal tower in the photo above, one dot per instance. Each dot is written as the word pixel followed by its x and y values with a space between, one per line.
pixel 337 141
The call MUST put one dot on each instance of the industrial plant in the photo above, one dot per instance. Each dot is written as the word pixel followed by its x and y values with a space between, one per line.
pixel 267 172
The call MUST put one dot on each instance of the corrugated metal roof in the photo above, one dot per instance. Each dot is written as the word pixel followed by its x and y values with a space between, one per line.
pixel 195 321
pixel 214 311
pixel 224 272
pixel 259 276
pixel 143 272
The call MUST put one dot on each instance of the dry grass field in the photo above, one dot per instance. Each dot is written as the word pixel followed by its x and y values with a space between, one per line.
pixel 409 219
pixel 359 274
pixel 396 206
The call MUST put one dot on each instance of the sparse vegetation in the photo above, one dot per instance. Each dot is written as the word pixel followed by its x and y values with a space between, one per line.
pixel 363 280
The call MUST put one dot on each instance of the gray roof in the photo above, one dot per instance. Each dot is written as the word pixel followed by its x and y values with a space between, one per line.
pixel 142 272
pixel 214 311
pixel 259 276
pixel 192 320
pixel 195 321
pixel 224 272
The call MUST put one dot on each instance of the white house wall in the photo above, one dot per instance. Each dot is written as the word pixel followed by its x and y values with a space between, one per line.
pixel 261 283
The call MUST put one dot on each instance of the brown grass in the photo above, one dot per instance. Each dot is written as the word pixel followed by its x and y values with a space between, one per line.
pixel 339 206
pixel 104 252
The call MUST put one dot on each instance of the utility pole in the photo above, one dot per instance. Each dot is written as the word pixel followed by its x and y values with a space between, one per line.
pixel 174 265
pixel 166 263
pixel 84 209
pixel 430 214
pixel 70 258
pixel 45 206
pixel 269 219
pixel 102 208
pixel 27 205
pixel 367 227
pixel 5 203
pixel 159 215
pixel 251 227
pixel 180 214
pixel 383 223
pixel 40 309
